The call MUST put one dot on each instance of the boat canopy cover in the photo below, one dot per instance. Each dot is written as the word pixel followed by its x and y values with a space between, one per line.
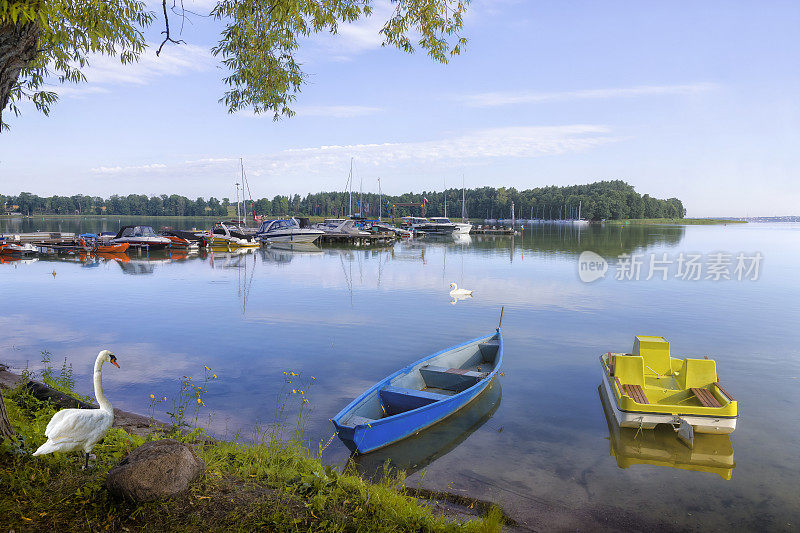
pixel 272 225
pixel 221 231
pixel 135 231
pixel 183 234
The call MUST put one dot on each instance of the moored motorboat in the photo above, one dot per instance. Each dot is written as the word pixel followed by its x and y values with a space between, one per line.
pixel 90 242
pixel 286 230
pixel 429 227
pixel 224 238
pixel 460 227
pixel 420 395
pixel 340 226
pixel 648 387
pixel 192 238
pixel 140 237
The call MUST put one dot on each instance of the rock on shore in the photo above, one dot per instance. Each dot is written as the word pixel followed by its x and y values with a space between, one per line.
pixel 155 470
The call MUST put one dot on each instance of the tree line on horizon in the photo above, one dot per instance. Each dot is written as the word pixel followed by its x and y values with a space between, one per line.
pixel 612 200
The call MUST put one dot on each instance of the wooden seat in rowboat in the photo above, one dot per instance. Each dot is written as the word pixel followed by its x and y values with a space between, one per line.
pixel 458 371
pixel 399 400
pixel 706 397
pixel 454 379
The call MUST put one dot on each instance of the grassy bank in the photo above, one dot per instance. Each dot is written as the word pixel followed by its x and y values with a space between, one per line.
pixel 263 482
pixel 682 221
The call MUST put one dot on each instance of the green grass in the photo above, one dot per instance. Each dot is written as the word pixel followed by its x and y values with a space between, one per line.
pixel 686 221
pixel 265 482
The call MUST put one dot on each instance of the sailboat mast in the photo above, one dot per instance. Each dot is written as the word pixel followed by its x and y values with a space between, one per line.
pixel 237 201
pixel 463 204
pixel 350 182
pixel 380 200
pixel 244 202
pixel 444 184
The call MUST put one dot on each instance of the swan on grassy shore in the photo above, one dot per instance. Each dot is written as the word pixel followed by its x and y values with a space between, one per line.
pixel 80 429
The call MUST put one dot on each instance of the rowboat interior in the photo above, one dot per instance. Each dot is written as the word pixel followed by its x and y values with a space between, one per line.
pixel 430 380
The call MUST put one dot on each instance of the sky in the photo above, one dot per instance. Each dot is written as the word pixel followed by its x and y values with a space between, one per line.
pixel 694 100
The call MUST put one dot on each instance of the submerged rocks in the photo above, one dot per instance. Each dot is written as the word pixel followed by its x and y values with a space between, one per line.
pixel 155 470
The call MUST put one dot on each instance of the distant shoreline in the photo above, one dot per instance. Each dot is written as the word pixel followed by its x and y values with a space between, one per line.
pixel 679 221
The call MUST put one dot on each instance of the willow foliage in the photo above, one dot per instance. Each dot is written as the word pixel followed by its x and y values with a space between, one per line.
pixel 69 32
pixel 258 43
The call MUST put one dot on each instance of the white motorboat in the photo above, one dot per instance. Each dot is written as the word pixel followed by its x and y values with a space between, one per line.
pixel 423 225
pixel 224 238
pixel 286 230
pixel 141 237
pixel 340 226
pixel 460 227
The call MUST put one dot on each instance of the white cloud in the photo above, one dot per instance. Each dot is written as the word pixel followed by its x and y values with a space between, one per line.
pixel 175 60
pixel 129 169
pixel 351 39
pixel 74 91
pixel 332 111
pixel 104 72
pixel 468 148
pixel 494 99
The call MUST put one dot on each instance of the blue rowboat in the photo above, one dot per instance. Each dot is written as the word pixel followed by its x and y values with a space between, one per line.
pixel 420 395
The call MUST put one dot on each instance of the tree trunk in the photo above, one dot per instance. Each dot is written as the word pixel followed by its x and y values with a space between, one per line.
pixel 6 431
pixel 18 47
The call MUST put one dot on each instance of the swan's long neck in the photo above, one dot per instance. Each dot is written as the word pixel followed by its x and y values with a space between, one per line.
pixel 98 386
pixel 454 286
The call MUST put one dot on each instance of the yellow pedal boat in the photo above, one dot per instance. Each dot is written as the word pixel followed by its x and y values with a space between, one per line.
pixel 659 447
pixel 648 387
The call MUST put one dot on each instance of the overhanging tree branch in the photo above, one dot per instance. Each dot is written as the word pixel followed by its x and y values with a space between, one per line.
pixel 167 37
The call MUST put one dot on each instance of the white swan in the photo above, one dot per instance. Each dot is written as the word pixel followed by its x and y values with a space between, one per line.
pixel 455 291
pixel 80 429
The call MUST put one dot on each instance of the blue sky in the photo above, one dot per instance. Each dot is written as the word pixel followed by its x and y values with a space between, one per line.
pixel 686 99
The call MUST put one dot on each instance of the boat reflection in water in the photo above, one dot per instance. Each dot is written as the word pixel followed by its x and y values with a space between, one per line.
pixel 417 452
pixel 284 252
pixel 661 447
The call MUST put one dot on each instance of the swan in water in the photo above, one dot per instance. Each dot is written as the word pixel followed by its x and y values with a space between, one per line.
pixel 80 429
pixel 455 291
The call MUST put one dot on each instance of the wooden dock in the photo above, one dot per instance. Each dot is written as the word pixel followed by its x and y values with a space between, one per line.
pixel 46 237
pixel 358 240
pixel 491 230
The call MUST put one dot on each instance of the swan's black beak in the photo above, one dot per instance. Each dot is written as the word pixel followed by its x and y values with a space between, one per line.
pixel 114 361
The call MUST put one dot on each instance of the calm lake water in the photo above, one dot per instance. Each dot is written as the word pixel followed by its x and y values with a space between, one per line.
pixel 538 441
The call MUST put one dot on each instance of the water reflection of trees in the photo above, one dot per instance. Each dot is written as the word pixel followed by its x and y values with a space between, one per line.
pixel 606 240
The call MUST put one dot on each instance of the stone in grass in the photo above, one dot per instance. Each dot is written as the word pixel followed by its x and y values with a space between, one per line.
pixel 155 470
